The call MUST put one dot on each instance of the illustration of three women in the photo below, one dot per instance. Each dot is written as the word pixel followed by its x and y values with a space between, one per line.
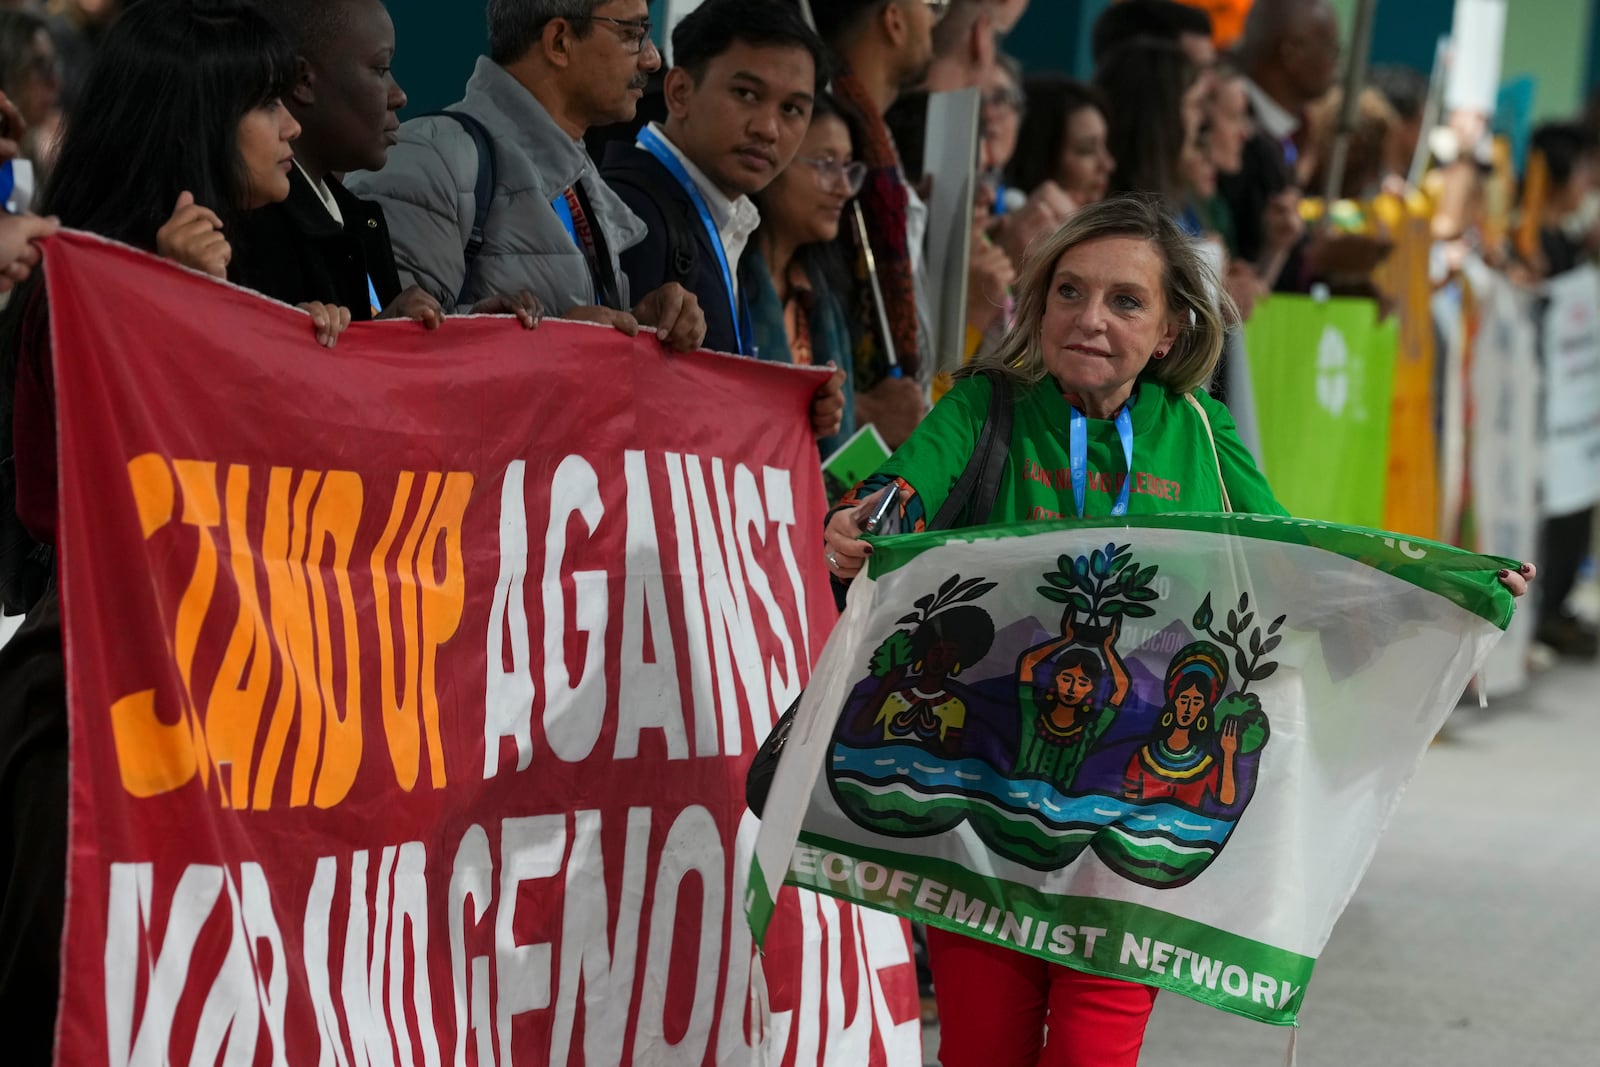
pixel 1067 709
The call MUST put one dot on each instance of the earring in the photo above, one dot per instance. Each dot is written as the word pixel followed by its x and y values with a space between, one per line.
pixel 1166 720
pixel 1160 353
pixel 1201 723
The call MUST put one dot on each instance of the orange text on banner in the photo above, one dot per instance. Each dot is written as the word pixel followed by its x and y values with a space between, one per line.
pixel 307 536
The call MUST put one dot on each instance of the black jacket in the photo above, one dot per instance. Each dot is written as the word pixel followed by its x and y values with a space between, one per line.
pixel 295 252
pixel 33 831
pixel 678 248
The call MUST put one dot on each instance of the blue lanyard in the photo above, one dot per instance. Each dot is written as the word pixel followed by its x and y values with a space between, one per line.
pixel 564 213
pixel 372 297
pixel 1080 459
pixel 742 327
pixel 1291 153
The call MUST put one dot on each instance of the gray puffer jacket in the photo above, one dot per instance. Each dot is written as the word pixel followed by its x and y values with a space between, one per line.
pixel 427 193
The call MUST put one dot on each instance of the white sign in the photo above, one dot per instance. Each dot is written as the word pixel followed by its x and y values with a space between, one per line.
pixel 1478 39
pixel 951 158
pixel 9 625
pixel 1571 345
pixel 1504 459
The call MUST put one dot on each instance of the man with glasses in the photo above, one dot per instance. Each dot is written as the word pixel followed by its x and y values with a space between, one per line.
pixel 738 104
pixel 499 194
pixel 1290 57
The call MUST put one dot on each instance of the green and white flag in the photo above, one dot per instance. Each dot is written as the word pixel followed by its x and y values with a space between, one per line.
pixel 1323 377
pixel 1162 750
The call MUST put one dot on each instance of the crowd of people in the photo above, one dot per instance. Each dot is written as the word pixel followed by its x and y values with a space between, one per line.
pixel 766 196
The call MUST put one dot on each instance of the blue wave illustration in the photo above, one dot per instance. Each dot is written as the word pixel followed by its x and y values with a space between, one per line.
pixel 974 779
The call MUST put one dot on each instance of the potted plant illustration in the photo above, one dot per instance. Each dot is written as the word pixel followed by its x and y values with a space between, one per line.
pixel 1250 665
pixel 1098 590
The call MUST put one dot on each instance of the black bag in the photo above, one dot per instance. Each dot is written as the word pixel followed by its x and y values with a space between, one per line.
pixel 970 503
pixel 26 567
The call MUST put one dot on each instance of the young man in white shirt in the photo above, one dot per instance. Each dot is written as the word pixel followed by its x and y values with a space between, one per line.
pixel 738 105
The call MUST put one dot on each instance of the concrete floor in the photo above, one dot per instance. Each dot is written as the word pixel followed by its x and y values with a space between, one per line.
pixel 1475 939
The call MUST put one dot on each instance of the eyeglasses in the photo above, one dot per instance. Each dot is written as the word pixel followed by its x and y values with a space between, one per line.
pixel 937 8
pixel 1011 99
pixel 635 33
pixel 831 172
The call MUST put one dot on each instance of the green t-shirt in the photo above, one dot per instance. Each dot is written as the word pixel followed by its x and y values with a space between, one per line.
pixel 1173 468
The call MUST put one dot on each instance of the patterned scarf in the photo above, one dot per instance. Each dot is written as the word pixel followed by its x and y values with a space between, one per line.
pixel 884 202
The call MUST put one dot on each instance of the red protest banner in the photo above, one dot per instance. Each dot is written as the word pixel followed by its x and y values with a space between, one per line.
pixel 412 688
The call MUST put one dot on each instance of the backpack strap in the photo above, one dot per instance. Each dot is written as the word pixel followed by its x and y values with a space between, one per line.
pixel 683 251
pixel 972 498
pixel 483 191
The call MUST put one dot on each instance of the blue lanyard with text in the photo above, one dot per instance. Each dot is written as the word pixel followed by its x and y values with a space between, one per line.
pixel 1080 459
pixel 742 327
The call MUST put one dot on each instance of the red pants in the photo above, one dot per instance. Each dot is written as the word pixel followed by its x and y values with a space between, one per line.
pixel 1002 1008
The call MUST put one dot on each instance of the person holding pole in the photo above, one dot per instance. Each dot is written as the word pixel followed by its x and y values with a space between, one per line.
pixel 882 49
pixel 791 267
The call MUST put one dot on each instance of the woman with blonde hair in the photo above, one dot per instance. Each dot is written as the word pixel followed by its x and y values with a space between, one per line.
pixel 1118 330
pixel 1119 327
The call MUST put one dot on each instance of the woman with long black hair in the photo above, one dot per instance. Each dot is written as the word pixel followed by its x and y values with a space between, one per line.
pixel 179 132
pixel 1160 104
pixel 792 278
pixel 182 131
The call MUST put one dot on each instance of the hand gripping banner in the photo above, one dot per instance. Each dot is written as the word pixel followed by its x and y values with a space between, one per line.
pixel 1161 750
pixel 412 687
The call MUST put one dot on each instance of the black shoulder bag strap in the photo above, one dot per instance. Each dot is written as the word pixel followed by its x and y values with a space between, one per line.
pixel 972 498
pixel 482 194
pixel 971 502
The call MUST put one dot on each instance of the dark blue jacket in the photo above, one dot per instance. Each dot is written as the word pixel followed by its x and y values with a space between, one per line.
pixel 676 247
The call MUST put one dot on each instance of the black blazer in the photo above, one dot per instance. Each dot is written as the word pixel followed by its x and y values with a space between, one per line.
pixel 653 194
pixel 295 252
